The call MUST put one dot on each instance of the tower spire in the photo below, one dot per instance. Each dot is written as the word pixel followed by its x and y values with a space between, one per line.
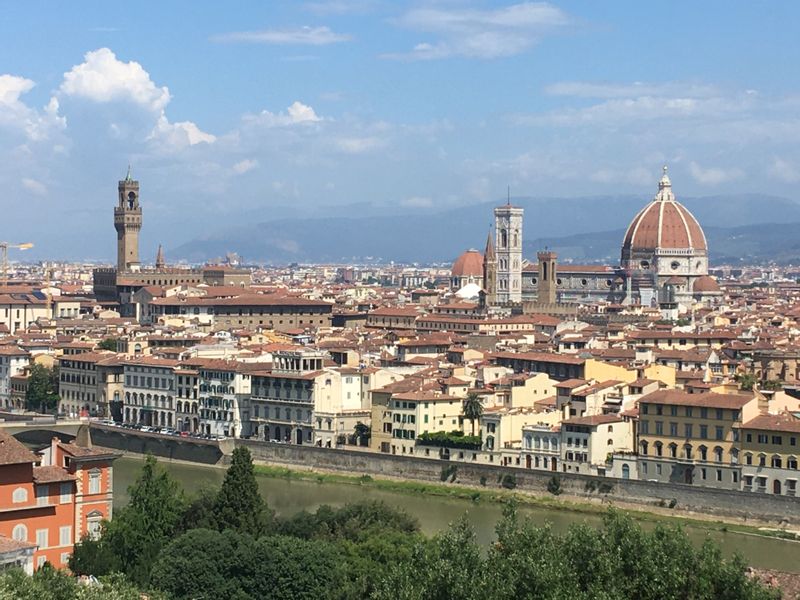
pixel 160 263
pixel 508 200
pixel 129 177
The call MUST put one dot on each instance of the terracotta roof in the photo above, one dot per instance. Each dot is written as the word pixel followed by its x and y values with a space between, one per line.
pixel 664 223
pixel 51 474
pixel 11 545
pixel 710 399
pixel 593 420
pixel 781 422
pixel 470 263
pixel 13 452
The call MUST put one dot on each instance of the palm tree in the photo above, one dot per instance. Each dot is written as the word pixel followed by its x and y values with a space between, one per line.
pixel 473 409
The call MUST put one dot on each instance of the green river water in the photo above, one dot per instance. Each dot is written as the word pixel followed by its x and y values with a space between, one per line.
pixel 435 513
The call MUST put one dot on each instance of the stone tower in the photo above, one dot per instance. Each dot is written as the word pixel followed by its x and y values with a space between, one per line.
pixel 160 262
pixel 547 277
pixel 508 253
pixel 128 223
pixel 489 271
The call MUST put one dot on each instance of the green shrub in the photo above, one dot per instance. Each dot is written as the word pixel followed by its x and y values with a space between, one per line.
pixel 509 481
pixel 554 485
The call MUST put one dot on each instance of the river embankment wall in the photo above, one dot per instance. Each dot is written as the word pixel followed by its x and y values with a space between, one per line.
pixel 681 497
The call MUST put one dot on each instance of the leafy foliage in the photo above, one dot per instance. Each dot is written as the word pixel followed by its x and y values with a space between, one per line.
pixel 453 439
pixel 473 409
pixel 132 541
pixel 205 549
pixel 239 505
pixel 48 583
pixel 42 394
pixel 110 343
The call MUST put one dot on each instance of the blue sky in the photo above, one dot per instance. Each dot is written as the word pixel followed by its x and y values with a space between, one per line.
pixel 236 112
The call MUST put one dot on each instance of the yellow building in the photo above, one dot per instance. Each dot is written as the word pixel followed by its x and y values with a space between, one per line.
pixel 769 454
pixel 693 438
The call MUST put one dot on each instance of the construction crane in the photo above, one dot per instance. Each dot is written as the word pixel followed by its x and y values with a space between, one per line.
pixel 4 246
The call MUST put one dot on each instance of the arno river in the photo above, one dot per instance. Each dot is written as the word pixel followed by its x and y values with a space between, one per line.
pixel 434 513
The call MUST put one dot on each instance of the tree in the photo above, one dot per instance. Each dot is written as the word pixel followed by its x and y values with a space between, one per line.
pixel 42 394
pixel 110 343
pixel 239 505
pixel 362 433
pixel 48 583
pixel 746 381
pixel 473 409
pixel 151 519
pixel 203 563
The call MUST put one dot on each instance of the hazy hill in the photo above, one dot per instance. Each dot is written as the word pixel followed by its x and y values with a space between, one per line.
pixel 589 228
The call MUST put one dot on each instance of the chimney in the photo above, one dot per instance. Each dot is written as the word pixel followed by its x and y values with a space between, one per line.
pixel 84 438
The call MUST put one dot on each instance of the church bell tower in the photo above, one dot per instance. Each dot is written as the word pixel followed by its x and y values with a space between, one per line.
pixel 128 223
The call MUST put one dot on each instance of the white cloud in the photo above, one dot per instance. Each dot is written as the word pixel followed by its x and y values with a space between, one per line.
pixel 16 115
pixel 713 175
pixel 34 186
pixel 417 202
pixel 243 166
pixel 477 33
pixel 359 145
pixel 175 136
pixel 309 36
pixel 296 113
pixel 104 78
pixel 637 89
pixel 783 170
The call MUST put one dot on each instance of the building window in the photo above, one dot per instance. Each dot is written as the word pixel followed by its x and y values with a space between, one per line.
pixel 41 539
pixel 65 536
pixel 19 496
pixel 66 493
pixel 20 533
pixel 94 481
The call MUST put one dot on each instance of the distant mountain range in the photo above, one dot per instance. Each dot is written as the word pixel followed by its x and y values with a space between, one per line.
pixel 587 229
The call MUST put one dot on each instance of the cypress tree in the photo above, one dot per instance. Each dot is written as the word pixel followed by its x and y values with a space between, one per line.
pixel 239 505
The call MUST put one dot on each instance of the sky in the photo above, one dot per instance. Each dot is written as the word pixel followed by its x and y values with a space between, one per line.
pixel 238 112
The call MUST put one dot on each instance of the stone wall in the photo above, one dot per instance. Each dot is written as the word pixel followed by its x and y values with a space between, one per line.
pixel 169 447
pixel 737 504
pixel 745 505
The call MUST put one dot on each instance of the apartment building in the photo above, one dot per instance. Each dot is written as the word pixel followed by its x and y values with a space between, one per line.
pixel 49 501
pixel 693 438
pixel 283 397
pixel 91 384
pixel 587 442
pixel 13 361
pixel 149 391
pixel 770 454
pixel 224 389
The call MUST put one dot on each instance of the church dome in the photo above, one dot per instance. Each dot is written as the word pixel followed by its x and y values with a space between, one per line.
pixel 469 264
pixel 664 224
pixel 705 285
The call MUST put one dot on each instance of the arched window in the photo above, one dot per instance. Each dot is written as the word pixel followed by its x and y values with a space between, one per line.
pixel 748 458
pixel 20 495
pixel 659 448
pixel 20 533
pixel 762 460
pixel 643 446
pixel 703 452
pixel 687 451
pixel 503 238
pixel 777 462
pixel 626 472
pixel 718 454
pixel 673 450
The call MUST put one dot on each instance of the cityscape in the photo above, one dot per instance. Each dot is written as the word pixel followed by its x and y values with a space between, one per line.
pixel 571 373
